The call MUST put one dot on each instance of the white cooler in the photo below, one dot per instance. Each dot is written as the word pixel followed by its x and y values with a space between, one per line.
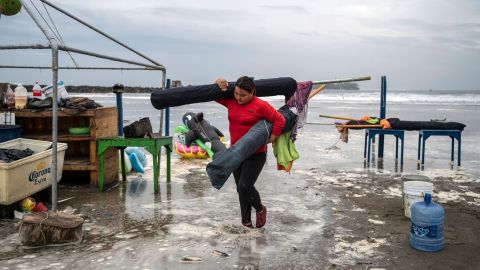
pixel 24 177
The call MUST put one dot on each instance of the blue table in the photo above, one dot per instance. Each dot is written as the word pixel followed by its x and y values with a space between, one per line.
pixel 423 135
pixel 370 136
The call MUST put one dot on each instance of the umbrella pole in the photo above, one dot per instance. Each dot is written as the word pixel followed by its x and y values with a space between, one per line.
pixel 337 117
pixel 358 126
pixel 316 91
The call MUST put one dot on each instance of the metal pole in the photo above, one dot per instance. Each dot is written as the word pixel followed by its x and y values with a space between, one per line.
pixel 70 49
pixel 118 90
pixel 87 68
pixel 164 76
pixel 98 31
pixel 50 38
pixel 27 46
pixel 383 98
pixel 54 45
pixel 366 78
pixel 383 107
pixel 54 125
pixel 167 113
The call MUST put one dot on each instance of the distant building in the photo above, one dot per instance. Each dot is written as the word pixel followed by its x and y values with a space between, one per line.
pixel 176 83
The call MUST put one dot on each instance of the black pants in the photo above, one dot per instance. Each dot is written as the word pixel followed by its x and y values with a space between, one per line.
pixel 245 177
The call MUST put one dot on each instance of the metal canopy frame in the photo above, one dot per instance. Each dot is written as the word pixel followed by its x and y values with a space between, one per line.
pixel 55 46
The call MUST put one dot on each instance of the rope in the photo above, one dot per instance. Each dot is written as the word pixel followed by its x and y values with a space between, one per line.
pixel 39 13
pixel 333 147
pixel 40 225
pixel 59 38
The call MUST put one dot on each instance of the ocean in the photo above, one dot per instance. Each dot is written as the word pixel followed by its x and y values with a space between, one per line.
pixel 318 143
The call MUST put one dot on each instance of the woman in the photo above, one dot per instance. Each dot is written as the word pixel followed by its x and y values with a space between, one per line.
pixel 244 111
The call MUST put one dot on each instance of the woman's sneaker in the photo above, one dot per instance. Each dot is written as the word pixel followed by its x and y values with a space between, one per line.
pixel 262 217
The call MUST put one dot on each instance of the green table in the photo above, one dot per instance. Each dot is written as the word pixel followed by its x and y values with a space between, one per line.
pixel 152 145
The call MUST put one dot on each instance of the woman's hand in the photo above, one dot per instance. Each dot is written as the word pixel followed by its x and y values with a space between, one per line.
pixel 222 83
pixel 272 139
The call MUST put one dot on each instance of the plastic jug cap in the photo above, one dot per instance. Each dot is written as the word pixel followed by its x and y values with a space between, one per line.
pixel 427 198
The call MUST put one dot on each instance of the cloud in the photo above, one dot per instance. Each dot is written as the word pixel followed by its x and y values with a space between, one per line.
pixel 199 40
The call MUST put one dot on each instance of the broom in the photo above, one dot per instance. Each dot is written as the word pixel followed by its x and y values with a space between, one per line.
pixel 50 229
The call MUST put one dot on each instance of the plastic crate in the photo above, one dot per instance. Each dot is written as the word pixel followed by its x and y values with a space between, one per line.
pixel 10 132
pixel 24 177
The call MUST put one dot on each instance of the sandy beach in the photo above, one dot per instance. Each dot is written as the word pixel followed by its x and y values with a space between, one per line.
pixel 318 219
pixel 330 212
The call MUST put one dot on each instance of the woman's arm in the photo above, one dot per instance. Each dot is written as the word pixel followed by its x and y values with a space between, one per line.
pixel 277 120
pixel 223 85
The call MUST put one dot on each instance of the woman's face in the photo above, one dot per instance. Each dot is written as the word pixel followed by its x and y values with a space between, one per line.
pixel 242 96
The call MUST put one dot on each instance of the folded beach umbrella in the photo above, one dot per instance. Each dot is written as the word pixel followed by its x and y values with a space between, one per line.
pixel 396 123
pixel 203 93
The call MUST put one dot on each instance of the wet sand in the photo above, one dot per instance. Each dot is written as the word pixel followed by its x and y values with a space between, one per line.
pixel 317 219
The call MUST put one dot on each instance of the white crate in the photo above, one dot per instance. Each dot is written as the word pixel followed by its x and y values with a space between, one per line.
pixel 24 177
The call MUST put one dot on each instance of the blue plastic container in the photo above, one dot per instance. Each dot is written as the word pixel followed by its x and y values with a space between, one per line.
pixel 10 132
pixel 426 229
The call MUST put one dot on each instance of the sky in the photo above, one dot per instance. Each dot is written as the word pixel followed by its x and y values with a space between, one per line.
pixel 416 44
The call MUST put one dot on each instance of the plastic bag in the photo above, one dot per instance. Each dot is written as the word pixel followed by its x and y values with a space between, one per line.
pixel 62 91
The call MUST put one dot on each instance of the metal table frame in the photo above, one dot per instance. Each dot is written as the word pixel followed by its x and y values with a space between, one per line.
pixel 423 135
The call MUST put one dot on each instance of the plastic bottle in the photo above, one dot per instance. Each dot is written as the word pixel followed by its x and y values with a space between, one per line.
pixel 426 230
pixel 20 97
pixel 37 91
pixel 61 91
pixel 10 98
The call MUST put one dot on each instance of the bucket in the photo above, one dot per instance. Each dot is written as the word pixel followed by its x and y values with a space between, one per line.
pixel 412 177
pixel 413 191
pixel 10 132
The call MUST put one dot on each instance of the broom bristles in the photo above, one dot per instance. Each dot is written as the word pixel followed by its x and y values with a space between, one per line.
pixel 42 229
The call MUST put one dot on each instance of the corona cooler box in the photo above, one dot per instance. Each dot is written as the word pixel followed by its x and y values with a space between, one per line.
pixel 24 177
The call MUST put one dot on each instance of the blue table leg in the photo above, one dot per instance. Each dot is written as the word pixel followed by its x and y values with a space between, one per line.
pixel 459 150
pixel 365 146
pixel 369 144
pixel 396 148
pixel 419 147
pixel 423 150
pixel 453 149
pixel 401 153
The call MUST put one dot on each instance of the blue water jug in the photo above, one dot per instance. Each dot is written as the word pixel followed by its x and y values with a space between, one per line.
pixel 426 230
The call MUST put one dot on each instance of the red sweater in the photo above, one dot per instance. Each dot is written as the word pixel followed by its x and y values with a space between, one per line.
pixel 242 117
